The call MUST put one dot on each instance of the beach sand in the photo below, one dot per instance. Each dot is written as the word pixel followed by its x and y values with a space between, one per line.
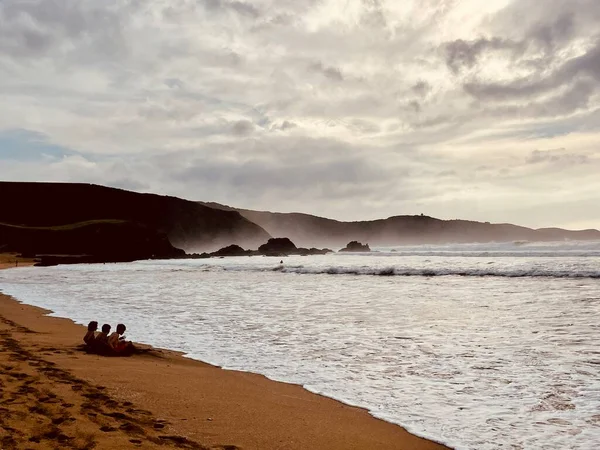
pixel 54 395
pixel 8 260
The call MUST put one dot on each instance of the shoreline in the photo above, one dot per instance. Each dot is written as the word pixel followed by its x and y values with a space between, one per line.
pixel 198 402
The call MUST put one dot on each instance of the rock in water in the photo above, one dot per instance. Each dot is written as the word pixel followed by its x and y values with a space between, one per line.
pixel 277 246
pixel 355 246
pixel 231 250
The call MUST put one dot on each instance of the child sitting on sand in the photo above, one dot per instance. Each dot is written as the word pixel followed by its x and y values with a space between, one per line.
pixel 101 342
pixel 117 343
pixel 103 335
pixel 90 336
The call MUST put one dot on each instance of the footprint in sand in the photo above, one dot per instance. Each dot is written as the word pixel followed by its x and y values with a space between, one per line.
pixel 138 411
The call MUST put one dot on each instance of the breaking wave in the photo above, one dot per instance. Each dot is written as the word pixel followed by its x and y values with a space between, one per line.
pixel 550 260
pixel 428 272
pixel 408 272
pixel 492 253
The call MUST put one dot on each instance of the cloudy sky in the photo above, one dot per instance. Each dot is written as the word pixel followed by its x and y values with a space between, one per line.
pixel 351 109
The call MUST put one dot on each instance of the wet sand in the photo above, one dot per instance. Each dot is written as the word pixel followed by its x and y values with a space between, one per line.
pixel 8 260
pixel 54 395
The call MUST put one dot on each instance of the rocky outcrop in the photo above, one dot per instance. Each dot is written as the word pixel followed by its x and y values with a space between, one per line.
pixel 312 251
pixel 232 250
pixel 278 247
pixel 274 247
pixel 202 255
pixel 355 246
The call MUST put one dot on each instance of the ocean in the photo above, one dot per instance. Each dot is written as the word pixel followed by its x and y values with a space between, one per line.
pixel 478 346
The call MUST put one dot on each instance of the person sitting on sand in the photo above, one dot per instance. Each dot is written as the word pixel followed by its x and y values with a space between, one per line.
pixel 101 341
pixel 90 336
pixel 117 342
pixel 103 335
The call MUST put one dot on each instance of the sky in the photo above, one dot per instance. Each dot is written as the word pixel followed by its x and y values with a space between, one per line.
pixel 349 109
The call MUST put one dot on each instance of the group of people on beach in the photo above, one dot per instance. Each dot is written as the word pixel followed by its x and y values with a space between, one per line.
pixel 104 343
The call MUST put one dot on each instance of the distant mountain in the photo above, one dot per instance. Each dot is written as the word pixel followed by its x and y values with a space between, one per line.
pixel 187 225
pixel 108 223
pixel 307 230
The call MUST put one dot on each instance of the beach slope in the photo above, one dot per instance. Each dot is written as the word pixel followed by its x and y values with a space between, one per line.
pixel 56 396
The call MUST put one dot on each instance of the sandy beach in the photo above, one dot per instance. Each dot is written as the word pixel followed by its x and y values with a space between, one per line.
pixel 54 395
pixel 9 260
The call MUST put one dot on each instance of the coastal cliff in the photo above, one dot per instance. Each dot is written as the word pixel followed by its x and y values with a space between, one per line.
pixel 75 212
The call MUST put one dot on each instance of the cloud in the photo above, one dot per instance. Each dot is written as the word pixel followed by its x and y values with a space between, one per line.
pixel 35 29
pixel 557 156
pixel 333 73
pixel 242 8
pixel 174 83
pixel 285 125
pixel 466 54
pixel 364 110
pixel 242 128
pixel 585 66
pixel 421 88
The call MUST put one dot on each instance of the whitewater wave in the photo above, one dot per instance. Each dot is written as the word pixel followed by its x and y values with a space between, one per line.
pixel 427 272
pixel 358 338
pixel 486 253
pixel 518 249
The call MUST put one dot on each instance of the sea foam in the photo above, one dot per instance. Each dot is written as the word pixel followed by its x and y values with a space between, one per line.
pixel 477 362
